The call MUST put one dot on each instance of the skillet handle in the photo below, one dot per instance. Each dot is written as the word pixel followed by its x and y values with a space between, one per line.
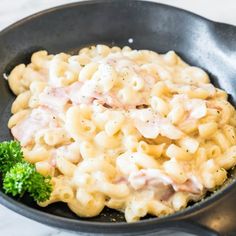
pixel 224 35
pixel 181 228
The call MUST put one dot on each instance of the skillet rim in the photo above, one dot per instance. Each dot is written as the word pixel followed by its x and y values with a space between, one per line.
pixel 90 226
pixel 88 2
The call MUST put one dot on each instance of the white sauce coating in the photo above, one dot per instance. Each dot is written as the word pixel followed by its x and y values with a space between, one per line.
pixel 129 129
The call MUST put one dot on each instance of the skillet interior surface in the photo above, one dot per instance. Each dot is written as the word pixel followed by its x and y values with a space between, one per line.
pixel 152 26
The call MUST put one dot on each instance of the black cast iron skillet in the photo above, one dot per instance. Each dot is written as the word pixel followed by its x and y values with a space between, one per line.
pixel 152 26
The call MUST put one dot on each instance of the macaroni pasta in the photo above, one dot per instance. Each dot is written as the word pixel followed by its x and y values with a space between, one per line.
pixel 132 130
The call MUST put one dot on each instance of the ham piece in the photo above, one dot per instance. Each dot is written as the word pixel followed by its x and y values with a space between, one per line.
pixel 158 179
pixel 39 119
pixel 151 124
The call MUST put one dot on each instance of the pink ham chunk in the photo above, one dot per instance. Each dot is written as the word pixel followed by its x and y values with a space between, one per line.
pixel 192 185
pixel 151 124
pixel 54 98
pixel 25 130
pixel 162 183
pixel 196 108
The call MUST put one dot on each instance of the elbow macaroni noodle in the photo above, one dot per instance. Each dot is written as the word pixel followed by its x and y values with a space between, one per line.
pixel 132 130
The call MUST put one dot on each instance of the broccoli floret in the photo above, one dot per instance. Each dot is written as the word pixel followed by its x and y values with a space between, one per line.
pixel 10 154
pixel 23 177
pixel 16 179
pixel 20 176
pixel 39 187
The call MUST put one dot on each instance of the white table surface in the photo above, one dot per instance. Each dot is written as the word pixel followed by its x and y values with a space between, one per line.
pixel 12 224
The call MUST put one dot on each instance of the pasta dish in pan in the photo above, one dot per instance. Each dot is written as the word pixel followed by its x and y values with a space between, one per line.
pixel 133 130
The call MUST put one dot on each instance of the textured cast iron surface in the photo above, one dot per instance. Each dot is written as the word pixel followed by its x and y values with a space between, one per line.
pixel 151 26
